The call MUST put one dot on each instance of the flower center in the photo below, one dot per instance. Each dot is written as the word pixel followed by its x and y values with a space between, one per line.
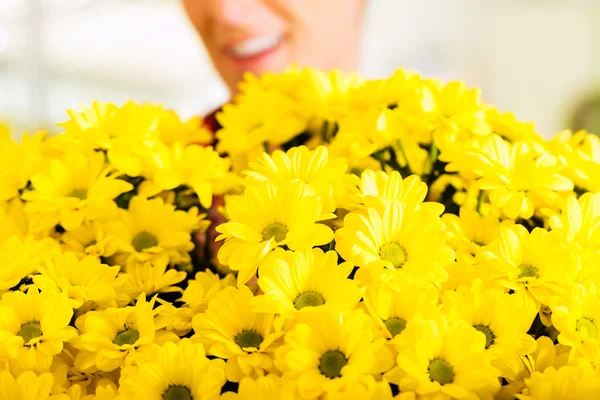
pixel 144 240
pixel 395 325
pixel 393 253
pixel 440 371
pixel 308 299
pixel 275 230
pixel 331 363
pixel 489 335
pixel 586 325
pixel 249 339
pixel 81 194
pixel 177 392
pixel 528 271
pixel 30 330
pixel 129 336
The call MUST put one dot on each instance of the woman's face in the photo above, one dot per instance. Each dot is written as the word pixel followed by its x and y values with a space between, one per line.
pixel 268 35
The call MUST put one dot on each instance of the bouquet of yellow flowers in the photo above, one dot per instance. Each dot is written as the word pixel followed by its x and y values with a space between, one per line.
pixel 375 239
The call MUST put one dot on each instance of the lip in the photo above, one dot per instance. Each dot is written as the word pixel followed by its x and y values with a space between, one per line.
pixel 255 62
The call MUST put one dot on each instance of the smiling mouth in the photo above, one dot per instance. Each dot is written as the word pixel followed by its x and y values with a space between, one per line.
pixel 255 46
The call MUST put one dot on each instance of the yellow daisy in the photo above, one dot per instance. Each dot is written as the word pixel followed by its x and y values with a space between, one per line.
pixel 13 221
pixel 267 387
pixel 18 162
pixel 109 336
pixel 20 258
pixel 33 327
pixel 376 189
pixel 76 188
pixel 127 134
pixel 394 304
pixel 316 168
pixel 536 264
pixel 576 315
pixel 88 283
pixel 469 232
pixel 293 281
pixel 231 330
pixel 577 225
pixel 26 386
pixel 151 277
pixel 328 350
pixel 519 179
pixel 269 216
pixel 578 381
pixel 90 239
pixel 150 230
pixel 446 359
pixel 178 165
pixel 502 318
pixel 195 298
pixel 172 371
pixel 396 241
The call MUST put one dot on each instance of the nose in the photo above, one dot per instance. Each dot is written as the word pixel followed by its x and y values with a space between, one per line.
pixel 233 13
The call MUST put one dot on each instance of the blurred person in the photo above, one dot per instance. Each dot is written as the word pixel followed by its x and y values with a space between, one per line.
pixel 260 36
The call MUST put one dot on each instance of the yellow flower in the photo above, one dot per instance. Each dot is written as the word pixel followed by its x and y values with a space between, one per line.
pixel 578 381
pixel 577 225
pixel 263 388
pixel 313 167
pixel 127 133
pixel 268 116
pixel 456 111
pixel 175 131
pixel 109 336
pixel 509 128
pixel 269 216
pixel 13 221
pixel 520 180
pixel 394 304
pixel 581 152
pixel 446 359
pixel 294 281
pixel 231 330
pixel 87 282
pixel 328 350
pixel 33 327
pixel 76 188
pixel 327 94
pixel 151 277
pixel 26 386
pixel 394 241
pixel 90 239
pixel 576 315
pixel 178 165
pixel 546 355
pixel 151 230
pixel 502 318
pixel 18 162
pixel 376 189
pixel 173 371
pixel 19 258
pixel 536 264
pixel 470 231
pixel 195 298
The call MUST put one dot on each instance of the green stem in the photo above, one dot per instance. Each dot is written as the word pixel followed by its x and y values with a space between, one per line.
pixel 403 151
pixel 431 159
pixel 480 201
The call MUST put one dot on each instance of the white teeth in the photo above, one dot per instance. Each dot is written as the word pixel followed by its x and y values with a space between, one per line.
pixel 255 46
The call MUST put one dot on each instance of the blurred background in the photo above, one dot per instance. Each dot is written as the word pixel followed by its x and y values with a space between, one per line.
pixel 537 58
